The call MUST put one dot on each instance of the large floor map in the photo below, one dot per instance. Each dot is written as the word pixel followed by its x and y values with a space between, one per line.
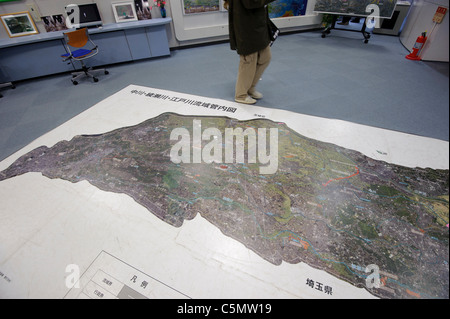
pixel 373 224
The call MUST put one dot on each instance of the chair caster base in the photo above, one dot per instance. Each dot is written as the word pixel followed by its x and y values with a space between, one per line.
pixel 87 73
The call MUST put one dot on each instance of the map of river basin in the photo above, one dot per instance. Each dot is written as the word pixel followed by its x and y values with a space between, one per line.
pixel 330 207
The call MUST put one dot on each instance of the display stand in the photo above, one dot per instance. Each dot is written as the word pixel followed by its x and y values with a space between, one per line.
pixel 332 26
pixel 8 84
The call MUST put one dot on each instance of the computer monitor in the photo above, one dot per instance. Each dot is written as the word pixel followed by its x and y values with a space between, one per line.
pixel 88 15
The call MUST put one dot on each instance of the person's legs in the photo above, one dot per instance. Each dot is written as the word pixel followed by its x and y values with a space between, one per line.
pixel 251 68
pixel 264 57
pixel 246 75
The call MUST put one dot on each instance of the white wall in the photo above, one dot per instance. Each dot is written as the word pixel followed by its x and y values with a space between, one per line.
pixel 420 20
pixel 184 29
pixel 188 28
pixel 51 7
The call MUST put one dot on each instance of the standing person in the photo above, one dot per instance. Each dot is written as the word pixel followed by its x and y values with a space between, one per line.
pixel 248 22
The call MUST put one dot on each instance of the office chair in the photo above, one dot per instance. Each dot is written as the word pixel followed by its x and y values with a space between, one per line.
pixel 76 41
pixel 7 84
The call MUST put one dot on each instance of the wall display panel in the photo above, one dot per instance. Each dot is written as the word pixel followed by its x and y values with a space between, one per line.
pixel 194 26
pixel 356 7
pixel 201 6
pixel 287 8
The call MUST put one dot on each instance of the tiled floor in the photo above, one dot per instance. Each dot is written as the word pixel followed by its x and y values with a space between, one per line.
pixel 337 77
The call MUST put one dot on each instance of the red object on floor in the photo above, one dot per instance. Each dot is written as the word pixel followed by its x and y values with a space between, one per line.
pixel 418 46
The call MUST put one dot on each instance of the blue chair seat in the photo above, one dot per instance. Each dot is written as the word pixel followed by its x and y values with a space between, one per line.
pixel 78 53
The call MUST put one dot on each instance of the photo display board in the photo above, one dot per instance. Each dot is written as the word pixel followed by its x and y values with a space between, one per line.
pixel 356 7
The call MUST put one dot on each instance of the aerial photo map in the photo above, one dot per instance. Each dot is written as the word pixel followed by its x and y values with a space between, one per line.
pixel 332 208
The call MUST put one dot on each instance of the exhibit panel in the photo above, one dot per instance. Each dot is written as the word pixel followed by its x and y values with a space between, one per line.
pixel 204 24
pixel 193 21
pixel 356 7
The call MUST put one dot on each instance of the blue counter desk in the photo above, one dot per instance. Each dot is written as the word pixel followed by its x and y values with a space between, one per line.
pixel 38 55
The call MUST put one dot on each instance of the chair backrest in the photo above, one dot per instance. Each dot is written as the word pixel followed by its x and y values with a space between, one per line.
pixel 77 38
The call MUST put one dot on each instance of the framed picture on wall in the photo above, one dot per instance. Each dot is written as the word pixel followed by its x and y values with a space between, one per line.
pixel 54 23
pixel 124 11
pixel 60 22
pixel 143 9
pixel 19 24
pixel 201 6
